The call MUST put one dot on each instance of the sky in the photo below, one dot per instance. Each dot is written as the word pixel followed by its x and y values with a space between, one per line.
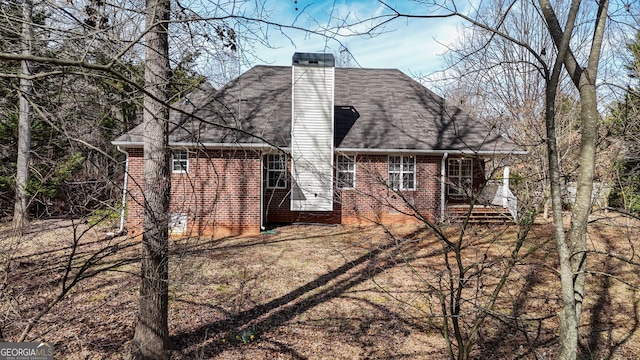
pixel 413 46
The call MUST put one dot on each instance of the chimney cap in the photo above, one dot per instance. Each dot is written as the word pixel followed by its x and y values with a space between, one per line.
pixel 314 59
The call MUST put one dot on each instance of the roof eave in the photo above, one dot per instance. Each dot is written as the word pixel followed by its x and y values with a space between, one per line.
pixel 205 145
pixel 431 151
pixel 265 146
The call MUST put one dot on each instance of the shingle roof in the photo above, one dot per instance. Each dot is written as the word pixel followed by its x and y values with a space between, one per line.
pixel 374 109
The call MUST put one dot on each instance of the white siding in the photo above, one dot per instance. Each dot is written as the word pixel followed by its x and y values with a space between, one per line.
pixel 312 138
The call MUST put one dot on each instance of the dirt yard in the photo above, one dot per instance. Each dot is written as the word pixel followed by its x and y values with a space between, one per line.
pixel 318 292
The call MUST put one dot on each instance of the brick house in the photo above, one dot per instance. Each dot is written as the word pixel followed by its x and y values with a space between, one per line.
pixel 315 143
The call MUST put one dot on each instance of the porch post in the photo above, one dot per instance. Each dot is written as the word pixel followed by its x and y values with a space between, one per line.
pixel 505 184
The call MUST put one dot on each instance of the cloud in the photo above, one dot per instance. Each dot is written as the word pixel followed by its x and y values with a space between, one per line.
pixel 413 46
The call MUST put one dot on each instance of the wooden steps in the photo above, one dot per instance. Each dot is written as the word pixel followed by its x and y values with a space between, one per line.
pixel 479 215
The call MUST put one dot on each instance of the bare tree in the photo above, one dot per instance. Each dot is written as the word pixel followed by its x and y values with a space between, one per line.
pixel 625 126
pixel 500 82
pixel 75 28
pixel 20 214
pixel 583 72
pixel 151 339
pixel 573 253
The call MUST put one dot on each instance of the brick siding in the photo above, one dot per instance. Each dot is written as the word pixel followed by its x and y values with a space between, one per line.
pixel 371 200
pixel 220 194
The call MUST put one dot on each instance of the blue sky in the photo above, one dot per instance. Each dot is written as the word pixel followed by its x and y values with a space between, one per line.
pixel 409 45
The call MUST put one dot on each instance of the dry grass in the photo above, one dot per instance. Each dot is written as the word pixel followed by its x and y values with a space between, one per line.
pixel 319 292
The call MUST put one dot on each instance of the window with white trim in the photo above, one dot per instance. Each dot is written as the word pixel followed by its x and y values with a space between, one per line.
pixel 402 172
pixel 276 171
pixel 178 223
pixel 345 172
pixel 460 176
pixel 180 161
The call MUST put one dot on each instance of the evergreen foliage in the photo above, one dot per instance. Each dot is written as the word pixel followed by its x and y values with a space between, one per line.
pixel 624 123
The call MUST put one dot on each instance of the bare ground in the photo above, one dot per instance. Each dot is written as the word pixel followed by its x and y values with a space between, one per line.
pixel 316 292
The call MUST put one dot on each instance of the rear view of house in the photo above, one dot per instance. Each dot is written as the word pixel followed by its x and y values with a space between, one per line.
pixel 315 143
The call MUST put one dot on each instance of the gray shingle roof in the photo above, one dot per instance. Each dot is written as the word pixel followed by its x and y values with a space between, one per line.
pixel 374 109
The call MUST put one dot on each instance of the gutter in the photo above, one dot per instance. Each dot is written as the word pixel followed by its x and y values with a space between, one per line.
pixel 443 178
pixel 124 190
pixel 265 146
pixel 431 152
pixel 257 146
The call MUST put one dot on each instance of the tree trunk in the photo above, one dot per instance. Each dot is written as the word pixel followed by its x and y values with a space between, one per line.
pixel 151 338
pixel 572 255
pixel 567 316
pixel 582 205
pixel 20 214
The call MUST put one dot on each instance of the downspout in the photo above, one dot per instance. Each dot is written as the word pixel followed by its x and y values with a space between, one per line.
pixel 124 190
pixel 262 191
pixel 443 178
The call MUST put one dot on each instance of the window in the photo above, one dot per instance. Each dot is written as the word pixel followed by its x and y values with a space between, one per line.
pixel 346 172
pixel 402 172
pixel 460 177
pixel 276 171
pixel 178 223
pixel 180 161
